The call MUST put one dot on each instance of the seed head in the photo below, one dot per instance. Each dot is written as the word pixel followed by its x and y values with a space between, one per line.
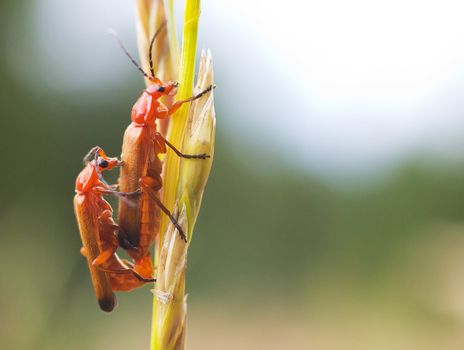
pixel 199 139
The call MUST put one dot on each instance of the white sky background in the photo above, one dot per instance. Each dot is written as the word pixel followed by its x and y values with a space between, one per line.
pixel 334 86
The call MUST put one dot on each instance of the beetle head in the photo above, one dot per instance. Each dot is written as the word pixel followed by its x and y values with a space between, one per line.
pixel 99 157
pixel 162 89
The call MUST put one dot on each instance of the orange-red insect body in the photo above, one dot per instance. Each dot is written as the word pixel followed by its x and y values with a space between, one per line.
pixel 140 150
pixel 142 169
pixel 97 230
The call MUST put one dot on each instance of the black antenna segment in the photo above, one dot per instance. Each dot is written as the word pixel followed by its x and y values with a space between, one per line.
pixel 150 56
pixel 118 39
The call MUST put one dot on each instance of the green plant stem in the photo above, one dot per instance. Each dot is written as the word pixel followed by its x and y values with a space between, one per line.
pixel 163 330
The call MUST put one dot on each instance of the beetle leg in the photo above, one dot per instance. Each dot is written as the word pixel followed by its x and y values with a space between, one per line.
pixel 145 184
pixel 104 256
pixel 136 272
pixel 160 144
pixel 114 187
pixel 115 271
pixel 132 194
pixel 126 282
pixel 124 241
pixel 106 218
pixel 160 140
pixel 155 182
pixel 164 113
pixel 127 197
pixel 179 103
pixel 144 266
pixel 127 271
pixel 128 263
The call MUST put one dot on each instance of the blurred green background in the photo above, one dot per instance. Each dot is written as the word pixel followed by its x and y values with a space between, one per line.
pixel 285 255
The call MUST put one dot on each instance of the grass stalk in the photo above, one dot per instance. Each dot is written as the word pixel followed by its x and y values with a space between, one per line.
pixel 191 130
pixel 179 120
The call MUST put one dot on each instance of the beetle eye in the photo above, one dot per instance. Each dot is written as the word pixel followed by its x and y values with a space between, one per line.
pixel 161 89
pixel 102 163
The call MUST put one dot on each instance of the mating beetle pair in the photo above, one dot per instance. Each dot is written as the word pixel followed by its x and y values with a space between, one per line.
pixel 139 202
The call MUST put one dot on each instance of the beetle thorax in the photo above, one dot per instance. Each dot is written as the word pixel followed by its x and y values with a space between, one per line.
pixel 144 110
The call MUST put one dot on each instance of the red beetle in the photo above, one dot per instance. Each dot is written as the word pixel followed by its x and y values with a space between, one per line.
pixel 142 144
pixel 98 231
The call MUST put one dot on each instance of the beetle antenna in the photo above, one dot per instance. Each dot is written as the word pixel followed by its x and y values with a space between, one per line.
pixel 90 155
pixel 150 56
pixel 118 39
